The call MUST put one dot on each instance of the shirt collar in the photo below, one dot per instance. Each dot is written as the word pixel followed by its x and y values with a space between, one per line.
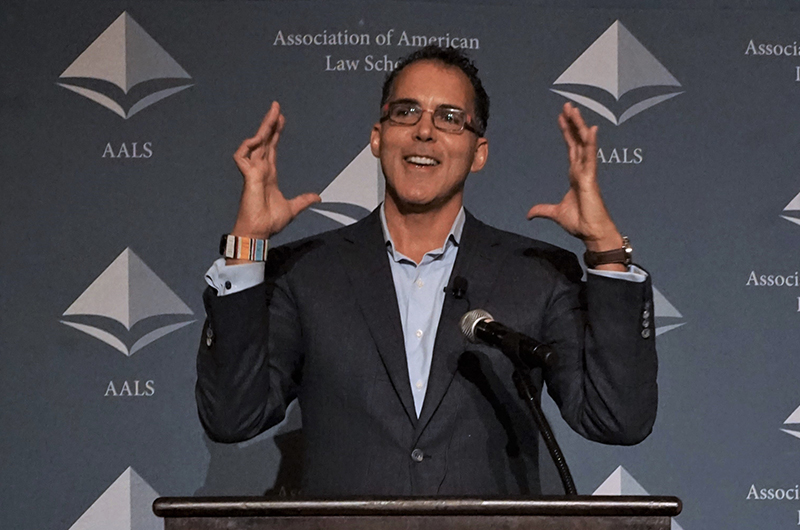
pixel 453 237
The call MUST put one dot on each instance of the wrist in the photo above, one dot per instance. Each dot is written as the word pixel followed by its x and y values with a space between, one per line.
pixel 238 250
pixel 609 242
pixel 245 230
pixel 614 259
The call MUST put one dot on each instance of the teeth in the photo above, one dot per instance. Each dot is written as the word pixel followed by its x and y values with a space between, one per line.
pixel 422 160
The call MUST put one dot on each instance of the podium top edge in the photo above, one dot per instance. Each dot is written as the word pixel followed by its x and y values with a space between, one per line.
pixel 569 506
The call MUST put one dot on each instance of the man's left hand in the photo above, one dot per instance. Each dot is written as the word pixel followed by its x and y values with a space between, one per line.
pixel 582 212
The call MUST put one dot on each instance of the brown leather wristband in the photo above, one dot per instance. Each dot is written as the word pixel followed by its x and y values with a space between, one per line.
pixel 622 255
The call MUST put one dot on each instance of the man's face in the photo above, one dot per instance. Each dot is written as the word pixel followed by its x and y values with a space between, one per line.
pixel 426 168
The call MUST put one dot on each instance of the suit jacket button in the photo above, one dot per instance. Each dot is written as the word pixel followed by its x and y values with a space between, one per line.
pixel 417 455
pixel 646 333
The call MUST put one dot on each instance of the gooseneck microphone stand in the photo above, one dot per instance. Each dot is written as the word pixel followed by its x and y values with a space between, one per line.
pixel 510 346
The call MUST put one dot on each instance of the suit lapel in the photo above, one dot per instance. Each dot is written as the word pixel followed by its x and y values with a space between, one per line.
pixel 363 253
pixel 479 263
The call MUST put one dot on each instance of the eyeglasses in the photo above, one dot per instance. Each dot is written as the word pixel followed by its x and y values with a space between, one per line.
pixel 447 119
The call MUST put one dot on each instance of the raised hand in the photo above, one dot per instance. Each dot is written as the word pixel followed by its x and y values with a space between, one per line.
pixel 263 210
pixel 581 212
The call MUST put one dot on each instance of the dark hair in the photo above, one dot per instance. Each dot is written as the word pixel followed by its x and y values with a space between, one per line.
pixel 449 57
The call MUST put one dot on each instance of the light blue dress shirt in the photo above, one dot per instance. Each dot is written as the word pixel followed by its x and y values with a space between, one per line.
pixel 420 291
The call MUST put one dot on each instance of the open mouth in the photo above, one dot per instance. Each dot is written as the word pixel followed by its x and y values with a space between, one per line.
pixel 422 161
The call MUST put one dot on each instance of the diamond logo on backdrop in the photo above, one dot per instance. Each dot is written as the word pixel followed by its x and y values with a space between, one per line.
pixel 793 419
pixel 620 482
pixel 617 77
pixel 125 505
pixel 125 70
pixel 793 207
pixel 128 306
pixel 665 313
pixel 355 192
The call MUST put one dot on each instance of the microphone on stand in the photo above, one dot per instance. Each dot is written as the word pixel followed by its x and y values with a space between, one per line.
pixel 479 326
pixel 526 353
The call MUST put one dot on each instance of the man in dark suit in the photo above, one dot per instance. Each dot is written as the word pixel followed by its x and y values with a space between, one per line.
pixel 360 324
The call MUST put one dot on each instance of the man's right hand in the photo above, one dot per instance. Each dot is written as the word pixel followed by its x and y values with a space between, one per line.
pixel 263 210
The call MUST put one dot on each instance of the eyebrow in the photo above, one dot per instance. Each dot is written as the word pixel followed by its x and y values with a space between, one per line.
pixel 415 102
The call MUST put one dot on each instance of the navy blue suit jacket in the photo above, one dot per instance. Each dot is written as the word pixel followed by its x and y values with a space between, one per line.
pixel 325 328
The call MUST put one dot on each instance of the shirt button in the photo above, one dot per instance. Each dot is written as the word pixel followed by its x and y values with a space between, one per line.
pixel 420 283
pixel 419 384
pixel 227 285
pixel 419 333
pixel 417 455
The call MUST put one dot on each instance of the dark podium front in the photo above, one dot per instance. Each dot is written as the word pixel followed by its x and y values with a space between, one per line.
pixel 548 513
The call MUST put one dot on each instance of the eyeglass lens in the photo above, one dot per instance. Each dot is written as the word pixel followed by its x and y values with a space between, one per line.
pixel 444 118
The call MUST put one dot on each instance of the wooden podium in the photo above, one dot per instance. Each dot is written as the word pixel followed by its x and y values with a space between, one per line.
pixel 547 513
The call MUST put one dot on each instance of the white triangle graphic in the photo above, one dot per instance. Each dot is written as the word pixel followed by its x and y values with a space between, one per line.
pixel 620 482
pixel 128 291
pixel 360 183
pixel 125 505
pixel 125 55
pixel 793 433
pixel 662 307
pixel 794 417
pixel 617 63
pixel 598 65
pixel 794 204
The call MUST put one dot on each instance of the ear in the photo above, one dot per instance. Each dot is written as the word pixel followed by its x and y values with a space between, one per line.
pixel 481 154
pixel 375 140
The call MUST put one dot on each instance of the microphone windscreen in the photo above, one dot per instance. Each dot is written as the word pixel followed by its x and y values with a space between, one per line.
pixel 468 321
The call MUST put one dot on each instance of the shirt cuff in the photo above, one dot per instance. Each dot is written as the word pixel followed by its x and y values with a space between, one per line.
pixel 634 274
pixel 229 279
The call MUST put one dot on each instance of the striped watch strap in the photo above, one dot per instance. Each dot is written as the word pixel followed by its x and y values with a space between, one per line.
pixel 235 247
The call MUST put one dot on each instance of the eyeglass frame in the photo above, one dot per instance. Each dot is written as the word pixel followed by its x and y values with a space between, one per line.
pixel 466 126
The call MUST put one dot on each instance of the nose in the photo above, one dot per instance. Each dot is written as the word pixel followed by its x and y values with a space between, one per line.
pixel 424 129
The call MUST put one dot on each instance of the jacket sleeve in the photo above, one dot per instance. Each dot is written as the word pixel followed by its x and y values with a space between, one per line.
pixel 249 362
pixel 605 380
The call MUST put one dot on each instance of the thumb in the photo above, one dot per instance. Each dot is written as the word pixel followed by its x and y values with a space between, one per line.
pixel 547 211
pixel 301 202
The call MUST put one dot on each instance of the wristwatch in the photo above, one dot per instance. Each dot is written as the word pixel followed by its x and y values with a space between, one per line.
pixel 235 247
pixel 622 255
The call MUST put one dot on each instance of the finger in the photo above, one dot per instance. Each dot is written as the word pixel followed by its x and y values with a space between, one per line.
pixel 592 139
pixel 580 127
pixel 591 146
pixel 546 211
pixel 272 150
pixel 279 124
pixel 268 123
pixel 247 146
pixel 301 202
pixel 242 156
pixel 573 147
pixel 567 132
